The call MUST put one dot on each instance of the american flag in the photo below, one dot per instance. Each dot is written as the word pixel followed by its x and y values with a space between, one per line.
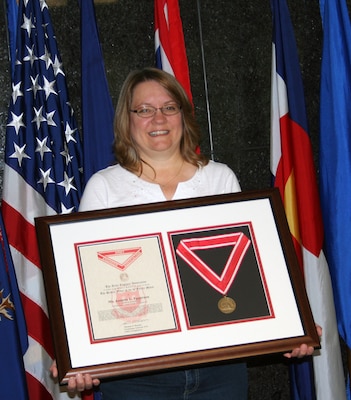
pixel 42 175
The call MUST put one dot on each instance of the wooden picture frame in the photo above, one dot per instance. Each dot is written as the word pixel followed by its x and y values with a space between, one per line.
pixel 173 284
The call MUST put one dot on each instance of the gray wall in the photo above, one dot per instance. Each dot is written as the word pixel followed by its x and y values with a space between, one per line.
pixel 237 47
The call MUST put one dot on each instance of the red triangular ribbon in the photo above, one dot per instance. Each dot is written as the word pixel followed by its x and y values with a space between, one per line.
pixel 222 283
pixel 107 256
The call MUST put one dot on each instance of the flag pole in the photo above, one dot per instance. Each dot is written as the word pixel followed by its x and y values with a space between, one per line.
pixel 205 82
pixel 7 32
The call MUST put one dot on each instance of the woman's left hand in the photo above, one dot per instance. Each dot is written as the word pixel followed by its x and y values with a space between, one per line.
pixel 303 350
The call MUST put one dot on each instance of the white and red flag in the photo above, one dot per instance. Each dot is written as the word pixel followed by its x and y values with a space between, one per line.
pixel 169 42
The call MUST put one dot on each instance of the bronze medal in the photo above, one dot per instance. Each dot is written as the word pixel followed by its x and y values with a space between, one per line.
pixel 226 305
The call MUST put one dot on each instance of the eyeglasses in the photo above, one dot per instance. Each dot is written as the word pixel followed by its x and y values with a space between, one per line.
pixel 150 111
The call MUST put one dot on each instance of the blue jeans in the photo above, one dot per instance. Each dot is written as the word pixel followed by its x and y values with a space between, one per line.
pixel 220 382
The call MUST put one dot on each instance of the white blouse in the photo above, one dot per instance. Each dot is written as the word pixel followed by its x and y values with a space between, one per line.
pixel 115 186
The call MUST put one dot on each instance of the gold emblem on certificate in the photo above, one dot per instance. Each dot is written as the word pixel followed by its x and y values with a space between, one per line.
pixel 226 305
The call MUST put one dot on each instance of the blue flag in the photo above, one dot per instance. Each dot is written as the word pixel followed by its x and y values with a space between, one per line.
pixel 13 331
pixel 335 154
pixel 97 109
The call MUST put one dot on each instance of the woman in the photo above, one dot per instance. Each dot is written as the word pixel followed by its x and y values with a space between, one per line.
pixel 156 138
pixel 156 141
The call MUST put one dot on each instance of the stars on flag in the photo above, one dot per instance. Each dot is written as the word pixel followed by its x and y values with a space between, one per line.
pixel 45 178
pixel 16 92
pixel 42 148
pixel 57 66
pixel 16 122
pixel 27 25
pixel 19 154
pixel 30 56
pixel 49 87
pixel 38 119
pixel 41 130
pixel 67 183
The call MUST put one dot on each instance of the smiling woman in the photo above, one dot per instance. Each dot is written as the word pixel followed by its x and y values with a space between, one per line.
pixel 158 161
pixel 158 136
pixel 162 142
pixel 156 141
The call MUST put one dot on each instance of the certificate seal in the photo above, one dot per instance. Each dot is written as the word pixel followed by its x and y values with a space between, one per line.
pixel 124 277
pixel 130 304
pixel 226 305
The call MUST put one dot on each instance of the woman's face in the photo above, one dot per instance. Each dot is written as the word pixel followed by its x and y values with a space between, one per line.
pixel 157 136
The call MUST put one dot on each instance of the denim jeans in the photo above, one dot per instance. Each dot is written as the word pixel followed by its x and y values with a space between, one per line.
pixel 219 382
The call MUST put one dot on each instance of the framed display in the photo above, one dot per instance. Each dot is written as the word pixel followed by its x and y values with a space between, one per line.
pixel 172 284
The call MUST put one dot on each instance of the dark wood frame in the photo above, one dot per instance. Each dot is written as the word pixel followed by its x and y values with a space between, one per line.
pixel 62 351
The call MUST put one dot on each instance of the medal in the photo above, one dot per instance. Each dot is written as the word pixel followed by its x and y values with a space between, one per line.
pixel 221 283
pixel 226 305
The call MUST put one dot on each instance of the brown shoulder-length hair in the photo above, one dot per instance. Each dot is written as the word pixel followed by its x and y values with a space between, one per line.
pixel 124 146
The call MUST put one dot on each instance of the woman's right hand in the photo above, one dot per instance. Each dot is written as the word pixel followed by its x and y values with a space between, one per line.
pixel 77 383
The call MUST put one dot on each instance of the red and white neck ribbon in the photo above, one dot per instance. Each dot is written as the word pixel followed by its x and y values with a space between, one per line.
pixel 222 283
pixel 131 253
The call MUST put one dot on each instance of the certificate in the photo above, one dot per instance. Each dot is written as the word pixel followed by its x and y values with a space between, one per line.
pixel 125 286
